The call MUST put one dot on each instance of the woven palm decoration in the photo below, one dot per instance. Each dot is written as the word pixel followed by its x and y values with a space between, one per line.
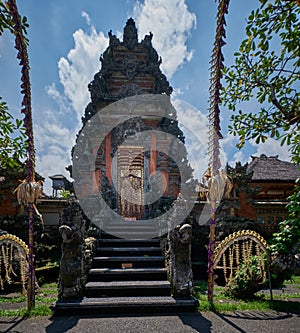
pixel 238 248
pixel 13 261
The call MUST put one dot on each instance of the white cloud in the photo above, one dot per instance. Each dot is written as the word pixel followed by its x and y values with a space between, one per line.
pixel 228 146
pixel 53 142
pixel 171 23
pixel 76 71
pixel 239 156
pixel 61 100
pixel 55 135
pixel 194 126
pixel 229 140
pixel 272 148
pixel 86 17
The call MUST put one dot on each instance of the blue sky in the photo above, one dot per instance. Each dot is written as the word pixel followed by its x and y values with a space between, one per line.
pixel 66 40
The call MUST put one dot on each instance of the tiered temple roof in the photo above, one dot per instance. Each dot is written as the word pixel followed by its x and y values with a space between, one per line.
pixel 128 68
pixel 266 168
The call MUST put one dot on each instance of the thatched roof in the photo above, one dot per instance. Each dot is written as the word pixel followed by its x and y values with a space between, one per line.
pixel 271 168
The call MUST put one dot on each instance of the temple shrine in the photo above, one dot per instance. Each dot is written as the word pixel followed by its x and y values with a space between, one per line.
pixel 135 156
pixel 130 152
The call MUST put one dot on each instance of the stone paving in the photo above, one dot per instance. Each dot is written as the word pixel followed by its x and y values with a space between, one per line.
pixel 235 322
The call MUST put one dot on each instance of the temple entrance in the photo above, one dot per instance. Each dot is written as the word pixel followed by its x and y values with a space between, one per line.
pixel 137 172
pixel 130 171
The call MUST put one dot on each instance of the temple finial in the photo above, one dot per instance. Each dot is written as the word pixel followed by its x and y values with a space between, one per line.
pixel 130 36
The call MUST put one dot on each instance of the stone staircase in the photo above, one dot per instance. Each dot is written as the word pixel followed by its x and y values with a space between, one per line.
pixel 128 275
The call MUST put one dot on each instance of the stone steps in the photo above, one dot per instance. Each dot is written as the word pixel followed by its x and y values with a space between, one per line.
pixel 137 230
pixel 123 242
pixel 128 276
pixel 132 267
pixel 133 234
pixel 127 305
pixel 117 251
pixel 128 288
pixel 132 261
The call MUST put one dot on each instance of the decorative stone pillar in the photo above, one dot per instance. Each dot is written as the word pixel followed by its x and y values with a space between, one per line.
pixel 77 251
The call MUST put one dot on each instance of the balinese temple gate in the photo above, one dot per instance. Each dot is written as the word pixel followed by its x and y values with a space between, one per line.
pixel 134 186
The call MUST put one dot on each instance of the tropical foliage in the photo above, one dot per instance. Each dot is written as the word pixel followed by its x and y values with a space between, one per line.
pixel 248 279
pixel 266 74
pixel 12 144
pixel 12 135
pixel 287 239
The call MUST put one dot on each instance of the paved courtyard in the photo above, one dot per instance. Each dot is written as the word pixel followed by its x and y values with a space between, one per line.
pixel 242 322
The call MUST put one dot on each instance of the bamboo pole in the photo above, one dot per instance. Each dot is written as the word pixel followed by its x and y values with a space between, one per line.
pixel 211 248
pixel 215 131
pixel 21 46
pixel 31 273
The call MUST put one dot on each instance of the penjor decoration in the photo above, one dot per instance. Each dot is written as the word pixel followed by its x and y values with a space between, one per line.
pixel 216 180
pixel 28 190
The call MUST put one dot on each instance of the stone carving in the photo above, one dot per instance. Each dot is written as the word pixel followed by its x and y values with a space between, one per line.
pixel 128 128
pixel 108 192
pixel 76 252
pixel 130 38
pixel 178 253
pixel 102 90
pixel 285 265
pixel 129 90
pixel 178 258
pixel 288 262
pixel 113 40
pixel 169 125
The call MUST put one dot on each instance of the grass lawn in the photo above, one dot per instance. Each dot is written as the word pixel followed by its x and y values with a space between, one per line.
pixel 15 304
pixel 285 300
